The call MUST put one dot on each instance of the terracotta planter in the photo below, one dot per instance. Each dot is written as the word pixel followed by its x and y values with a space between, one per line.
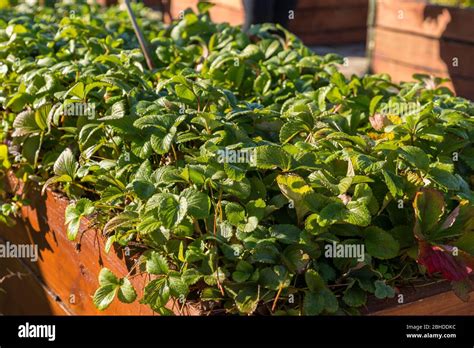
pixel 316 22
pixel 415 37
pixel 64 278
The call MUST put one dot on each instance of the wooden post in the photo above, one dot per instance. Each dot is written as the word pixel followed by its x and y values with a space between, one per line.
pixel 140 37
pixel 371 32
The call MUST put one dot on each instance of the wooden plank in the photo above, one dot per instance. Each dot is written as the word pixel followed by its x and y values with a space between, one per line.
pixel 327 19
pixel 302 4
pixel 233 4
pixel 69 271
pixel 446 303
pixel 429 20
pixel 413 37
pixel 107 2
pixel 337 37
pixel 403 72
pixel 399 71
pixel 33 299
pixel 449 57
pixel 224 14
pixel 305 4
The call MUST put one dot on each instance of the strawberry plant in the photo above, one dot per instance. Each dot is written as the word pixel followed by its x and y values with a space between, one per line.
pixel 235 165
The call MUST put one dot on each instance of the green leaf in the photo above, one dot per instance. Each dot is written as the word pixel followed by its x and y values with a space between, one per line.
pixel 262 83
pixel 323 92
pixel 313 304
pixel 429 207
pixel 272 48
pixel 124 219
pixel 199 204
pixel 380 244
pixel 354 296
pixel 178 287
pixel 374 103
pixel 295 258
pixel 311 225
pixel 243 271
pixel 185 93
pixel 41 116
pixel 415 156
pixel 25 123
pixel 357 214
pixel 291 129
pixel 66 164
pixel 331 304
pixel 143 189
pixel 466 243
pixel 191 276
pixel 106 277
pixel 104 296
pixel 247 300
pixel 210 294
pixel 382 290
pixel 256 208
pixel 77 91
pixel 251 52
pixel 250 224
pixel 314 281
pixel 345 184
pixel 394 183
pixel 271 157
pixel 363 194
pixel 161 141
pixel 240 189
pixel 156 293
pixel 126 293
pixel 331 214
pixel 156 264
pixel 4 162
pixel 74 213
pixel 204 7
pixel 274 278
pixel 444 178
pixel 287 234
pixel 234 171
pixel 235 213
pixel 295 189
pixel 172 210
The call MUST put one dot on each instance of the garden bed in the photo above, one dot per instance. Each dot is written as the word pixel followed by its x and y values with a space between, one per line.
pixel 228 169
pixel 415 37
pixel 63 280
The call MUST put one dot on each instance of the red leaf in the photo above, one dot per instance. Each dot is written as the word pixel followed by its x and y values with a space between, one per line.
pixel 440 259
